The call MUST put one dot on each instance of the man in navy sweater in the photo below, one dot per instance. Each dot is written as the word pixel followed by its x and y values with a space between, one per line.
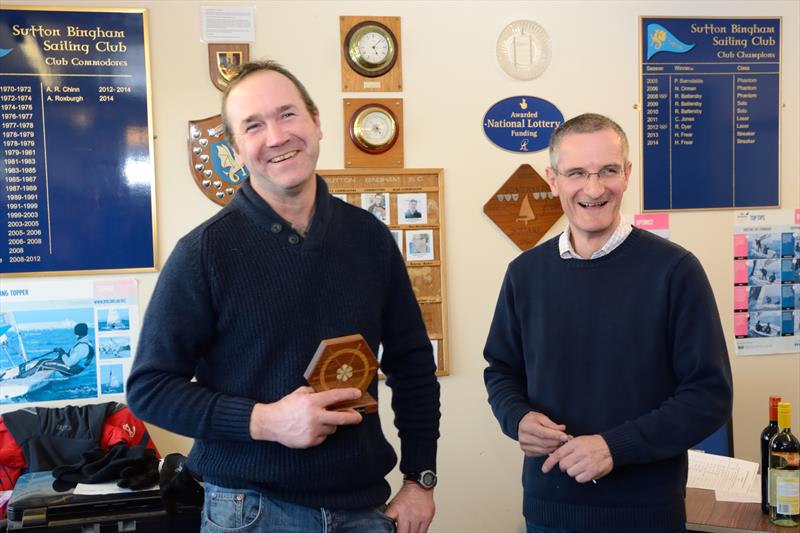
pixel 606 355
pixel 237 314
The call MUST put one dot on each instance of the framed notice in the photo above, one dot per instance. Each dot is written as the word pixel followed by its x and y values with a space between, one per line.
pixel 411 204
pixel 77 181
pixel 710 112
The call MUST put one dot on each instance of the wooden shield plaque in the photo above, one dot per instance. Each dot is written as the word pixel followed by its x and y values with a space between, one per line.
pixel 524 207
pixel 344 362
pixel 224 60
pixel 214 165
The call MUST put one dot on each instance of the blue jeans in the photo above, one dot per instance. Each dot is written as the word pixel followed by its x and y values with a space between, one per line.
pixel 243 510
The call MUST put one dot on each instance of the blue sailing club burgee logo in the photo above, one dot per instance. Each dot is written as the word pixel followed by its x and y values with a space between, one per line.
pixel 660 39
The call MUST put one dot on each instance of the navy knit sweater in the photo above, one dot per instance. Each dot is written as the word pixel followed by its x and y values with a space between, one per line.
pixel 242 304
pixel 628 346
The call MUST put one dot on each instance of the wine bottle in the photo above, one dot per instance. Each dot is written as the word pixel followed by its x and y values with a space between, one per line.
pixel 784 472
pixel 766 435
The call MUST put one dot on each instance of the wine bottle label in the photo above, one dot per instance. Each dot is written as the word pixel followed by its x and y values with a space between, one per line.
pixel 787 458
pixel 787 491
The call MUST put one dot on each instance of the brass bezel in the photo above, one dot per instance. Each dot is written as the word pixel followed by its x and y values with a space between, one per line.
pixel 353 55
pixel 356 132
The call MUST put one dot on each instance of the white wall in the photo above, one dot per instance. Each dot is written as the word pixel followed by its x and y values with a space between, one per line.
pixel 451 78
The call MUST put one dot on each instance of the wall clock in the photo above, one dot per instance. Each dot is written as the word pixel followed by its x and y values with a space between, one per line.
pixel 370 48
pixel 523 50
pixel 371 57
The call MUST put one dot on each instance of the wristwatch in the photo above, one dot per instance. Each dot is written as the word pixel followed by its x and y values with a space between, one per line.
pixel 426 479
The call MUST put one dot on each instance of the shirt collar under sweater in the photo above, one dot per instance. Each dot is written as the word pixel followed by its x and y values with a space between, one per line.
pixel 253 205
pixel 566 251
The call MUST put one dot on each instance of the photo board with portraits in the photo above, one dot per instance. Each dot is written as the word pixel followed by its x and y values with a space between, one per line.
pixel 410 203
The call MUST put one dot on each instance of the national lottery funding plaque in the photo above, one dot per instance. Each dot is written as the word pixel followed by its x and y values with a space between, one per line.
pixel 77 179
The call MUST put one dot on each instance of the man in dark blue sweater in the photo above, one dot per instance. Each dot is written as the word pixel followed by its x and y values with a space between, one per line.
pixel 237 314
pixel 606 355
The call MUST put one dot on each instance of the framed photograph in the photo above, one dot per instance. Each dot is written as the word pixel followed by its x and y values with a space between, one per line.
pixel 397 235
pixel 412 208
pixel 377 203
pixel 419 245
pixel 342 197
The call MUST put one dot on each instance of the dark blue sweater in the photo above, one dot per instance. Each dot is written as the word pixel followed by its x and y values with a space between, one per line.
pixel 628 346
pixel 242 304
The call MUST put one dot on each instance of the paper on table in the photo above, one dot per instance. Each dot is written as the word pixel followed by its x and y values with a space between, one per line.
pixel 715 472
pixel 105 488
pixel 753 495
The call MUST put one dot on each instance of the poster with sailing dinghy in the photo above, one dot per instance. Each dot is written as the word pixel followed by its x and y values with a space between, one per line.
pixel 65 341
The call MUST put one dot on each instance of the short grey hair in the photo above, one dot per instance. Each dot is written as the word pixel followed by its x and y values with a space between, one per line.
pixel 586 123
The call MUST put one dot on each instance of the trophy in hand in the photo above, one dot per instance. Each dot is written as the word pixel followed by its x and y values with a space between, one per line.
pixel 344 362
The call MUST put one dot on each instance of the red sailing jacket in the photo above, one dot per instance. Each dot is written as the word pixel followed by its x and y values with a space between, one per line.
pixel 40 438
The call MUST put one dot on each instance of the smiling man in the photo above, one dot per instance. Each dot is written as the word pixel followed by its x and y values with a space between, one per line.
pixel 606 355
pixel 237 314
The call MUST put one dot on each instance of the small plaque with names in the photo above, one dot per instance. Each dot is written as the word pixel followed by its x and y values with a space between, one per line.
pixel 524 207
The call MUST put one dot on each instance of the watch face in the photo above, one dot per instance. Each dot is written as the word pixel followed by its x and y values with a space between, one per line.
pixel 370 49
pixel 428 479
pixel 373 129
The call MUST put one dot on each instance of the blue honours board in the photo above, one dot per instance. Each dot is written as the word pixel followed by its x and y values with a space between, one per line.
pixel 77 180
pixel 710 116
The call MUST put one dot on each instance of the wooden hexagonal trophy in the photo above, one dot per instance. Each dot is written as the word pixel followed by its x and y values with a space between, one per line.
pixel 344 362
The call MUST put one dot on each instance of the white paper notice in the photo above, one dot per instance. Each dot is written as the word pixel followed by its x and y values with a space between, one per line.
pixel 753 495
pixel 715 472
pixel 229 24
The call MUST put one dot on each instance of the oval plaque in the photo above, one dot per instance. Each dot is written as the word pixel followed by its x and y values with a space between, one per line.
pixel 521 123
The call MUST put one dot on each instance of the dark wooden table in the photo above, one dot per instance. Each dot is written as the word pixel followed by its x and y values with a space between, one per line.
pixel 705 513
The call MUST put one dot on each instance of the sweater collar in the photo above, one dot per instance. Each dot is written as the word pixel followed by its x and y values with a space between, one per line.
pixel 249 201
pixel 566 251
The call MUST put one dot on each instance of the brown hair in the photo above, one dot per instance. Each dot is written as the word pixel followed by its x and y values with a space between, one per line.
pixel 257 66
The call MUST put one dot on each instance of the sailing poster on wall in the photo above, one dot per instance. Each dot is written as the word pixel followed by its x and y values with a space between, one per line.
pixel 766 249
pixel 66 340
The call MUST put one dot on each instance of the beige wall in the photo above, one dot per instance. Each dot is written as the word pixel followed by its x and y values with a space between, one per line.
pixel 451 78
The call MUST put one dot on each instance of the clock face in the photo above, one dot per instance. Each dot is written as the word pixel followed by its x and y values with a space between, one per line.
pixel 373 47
pixel 370 49
pixel 373 129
